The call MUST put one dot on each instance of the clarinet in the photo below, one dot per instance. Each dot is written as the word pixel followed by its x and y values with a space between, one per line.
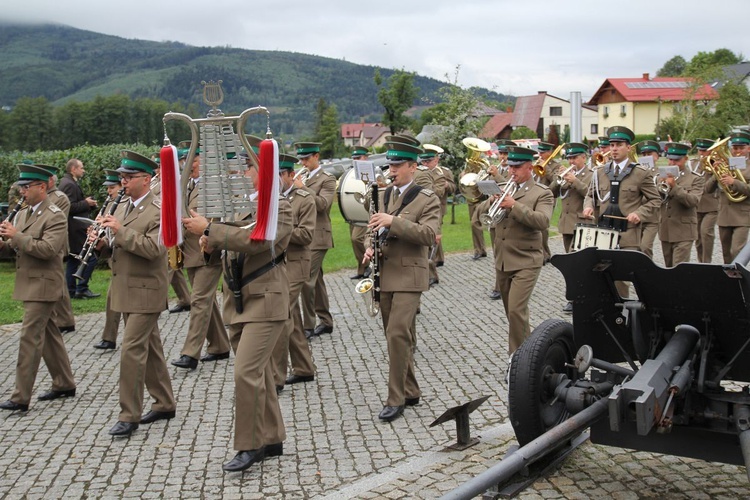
pixel 12 214
pixel 88 248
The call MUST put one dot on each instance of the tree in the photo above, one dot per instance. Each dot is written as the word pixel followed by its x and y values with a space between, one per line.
pixel 397 97
pixel 523 132
pixel 673 67
pixel 328 130
pixel 703 62
pixel 31 123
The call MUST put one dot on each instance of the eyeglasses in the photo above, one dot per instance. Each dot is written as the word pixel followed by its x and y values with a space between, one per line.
pixel 129 178
pixel 27 186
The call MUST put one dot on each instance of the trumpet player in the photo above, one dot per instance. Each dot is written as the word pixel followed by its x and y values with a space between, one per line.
pixel 519 242
pixel 708 208
pixel 679 220
pixel 623 192
pixel 734 216
pixel 649 223
pixel 500 173
pixel 407 226
pixel 39 237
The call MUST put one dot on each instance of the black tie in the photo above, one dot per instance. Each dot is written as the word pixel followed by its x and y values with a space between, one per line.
pixel 617 170
pixel 191 186
pixel 396 192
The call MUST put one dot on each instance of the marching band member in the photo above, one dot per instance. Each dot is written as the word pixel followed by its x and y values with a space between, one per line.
pixel 62 314
pixel 407 226
pixel 545 150
pixel 679 221
pixel 429 159
pixel 623 192
pixel 39 235
pixel 649 223
pixel 708 208
pixel 357 233
pixel 500 173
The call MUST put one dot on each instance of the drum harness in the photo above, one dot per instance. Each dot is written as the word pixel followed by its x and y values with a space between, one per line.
pixel 613 196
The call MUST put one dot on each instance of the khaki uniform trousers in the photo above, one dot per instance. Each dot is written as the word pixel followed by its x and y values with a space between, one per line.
pixel 496 286
pixel 477 234
pixel 40 338
pixel 399 310
pixel 649 231
pixel 732 240
pixel 315 294
pixel 357 235
pixel 179 285
pixel 292 342
pixel 704 245
pixel 257 416
pixel 62 311
pixel 205 317
pixel 568 242
pixel 516 288
pixel 111 320
pixel 142 363
pixel 677 252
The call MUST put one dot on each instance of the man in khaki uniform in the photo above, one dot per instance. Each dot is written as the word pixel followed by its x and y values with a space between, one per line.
pixel 623 193
pixel 206 323
pixel 255 323
pixel 429 159
pixel 139 292
pixel 322 186
pixel 572 192
pixel 550 173
pixel 734 217
pixel 519 242
pixel 500 174
pixel 292 342
pixel 679 222
pixel 407 223
pixel 62 314
pixel 357 233
pixel 708 208
pixel 111 318
pixel 39 236
pixel 649 223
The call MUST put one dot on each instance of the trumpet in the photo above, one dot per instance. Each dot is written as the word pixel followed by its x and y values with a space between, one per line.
pixel 601 158
pixel 301 174
pixel 496 213
pixel 662 186
pixel 561 177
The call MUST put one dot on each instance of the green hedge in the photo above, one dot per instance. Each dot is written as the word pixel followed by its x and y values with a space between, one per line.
pixel 95 159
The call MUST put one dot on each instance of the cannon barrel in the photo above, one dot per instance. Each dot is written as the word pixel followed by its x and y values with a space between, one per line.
pixel 527 455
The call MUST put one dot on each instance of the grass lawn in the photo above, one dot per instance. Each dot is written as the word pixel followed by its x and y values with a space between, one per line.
pixel 456 238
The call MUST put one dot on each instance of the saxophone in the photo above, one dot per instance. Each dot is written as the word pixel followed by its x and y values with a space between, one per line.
pixel 371 286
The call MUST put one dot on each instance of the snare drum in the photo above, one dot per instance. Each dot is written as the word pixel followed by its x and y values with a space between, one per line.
pixel 351 195
pixel 587 235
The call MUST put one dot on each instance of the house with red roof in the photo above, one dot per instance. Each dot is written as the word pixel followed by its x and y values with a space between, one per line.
pixel 640 103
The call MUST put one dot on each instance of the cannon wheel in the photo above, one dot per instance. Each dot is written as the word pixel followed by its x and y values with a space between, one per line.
pixel 544 353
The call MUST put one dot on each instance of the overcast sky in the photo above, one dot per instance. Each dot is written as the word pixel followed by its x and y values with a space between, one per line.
pixel 513 47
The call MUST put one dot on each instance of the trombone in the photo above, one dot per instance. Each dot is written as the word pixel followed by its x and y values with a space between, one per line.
pixel 540 166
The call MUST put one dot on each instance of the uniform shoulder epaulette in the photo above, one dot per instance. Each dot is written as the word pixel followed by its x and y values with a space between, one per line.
pixel 422 167
pixel 54 208
pixel 542 185
pixel 157 203
pixel 329 174
pixel 427 192
pixel 638 165
pixel 302 192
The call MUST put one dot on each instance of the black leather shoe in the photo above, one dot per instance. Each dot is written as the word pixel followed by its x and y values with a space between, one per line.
pixel 495 295
pixel 50 395
pixel 321 329
pixel 308 334
pixel 478 256
pixel 215 357
pixel 274 450
pixel 390 413
pixel 439 263
pixel 13 406
pixel 179 308
pixel 123 429
pixel 244 459
pixel 153 416
pixel 357 277
pixel 411 401
pixel 67 329
pixel 279 388
pixel 105 344
pixel 434 281
pixel 87 294
pixel 568 308
pixel 298 379
pixel 186 361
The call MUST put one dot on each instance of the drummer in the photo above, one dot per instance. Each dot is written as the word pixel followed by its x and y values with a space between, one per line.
pixel 357 232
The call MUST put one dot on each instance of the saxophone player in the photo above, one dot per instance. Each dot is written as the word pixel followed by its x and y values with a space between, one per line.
pixel 407 227
pixel 734 217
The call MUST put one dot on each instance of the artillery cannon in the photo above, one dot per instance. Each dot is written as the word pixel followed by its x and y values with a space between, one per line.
pixel 663 372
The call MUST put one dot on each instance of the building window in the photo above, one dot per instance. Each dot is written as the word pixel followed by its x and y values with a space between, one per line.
pixel 555 110
pixel 623 110
pixel 594 128
pixel 606 111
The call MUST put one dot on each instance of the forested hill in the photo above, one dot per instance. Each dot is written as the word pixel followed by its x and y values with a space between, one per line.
pixel 62 63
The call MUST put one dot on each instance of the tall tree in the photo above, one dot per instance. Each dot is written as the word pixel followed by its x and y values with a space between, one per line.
pixel 397 97
pixel 329 134
pixel 673 67
pixel 32 124
pixel 703 62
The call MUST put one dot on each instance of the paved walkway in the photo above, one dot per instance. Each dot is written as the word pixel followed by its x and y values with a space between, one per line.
pixel 336 446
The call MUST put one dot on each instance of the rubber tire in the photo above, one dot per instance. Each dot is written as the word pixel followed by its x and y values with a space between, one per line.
pixel 547 350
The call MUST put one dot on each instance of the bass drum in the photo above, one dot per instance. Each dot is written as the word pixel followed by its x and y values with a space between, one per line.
pixel 351 195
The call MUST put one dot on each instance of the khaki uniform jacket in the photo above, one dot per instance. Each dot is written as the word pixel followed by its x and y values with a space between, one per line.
pixel 655 217
pixel 439 183
pixel 518 238
pixel 59 198
pixel 679 219
pixel 139 261
pixel 303 227
pixel 571 205
pixel 638 195
pixel 550 172
pixel 732 214
pixel 41 241
pixel 323 188
pixel 709 201
pixel 404 266
pixel 424 177
pixel 192 254
pixel 267 297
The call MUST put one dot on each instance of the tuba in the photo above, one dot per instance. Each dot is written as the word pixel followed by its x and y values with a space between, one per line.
pixel 475 169
pixel 717 162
